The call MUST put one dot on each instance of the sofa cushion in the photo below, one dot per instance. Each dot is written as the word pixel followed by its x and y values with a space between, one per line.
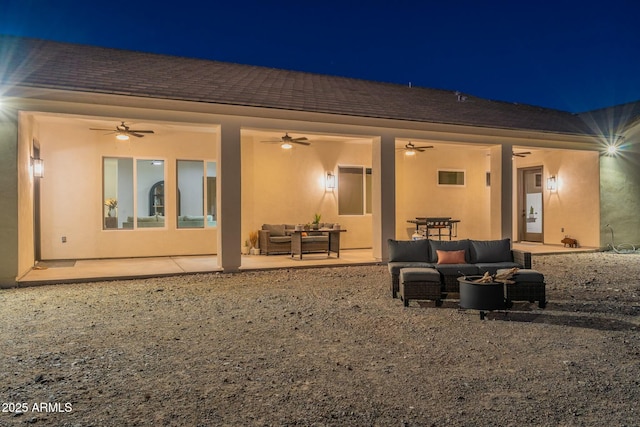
pixel 458 269
pixel 280 239
pixel 413 274
pixel 451 257
pixel 408 250
pixel 490 250
pixel 274 229
pixel 152 218
pixel 448 245
pixel 395 266
pixel 493 267
pixel 526 276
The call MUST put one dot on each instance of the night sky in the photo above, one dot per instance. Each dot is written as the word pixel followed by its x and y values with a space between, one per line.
pixel 569 55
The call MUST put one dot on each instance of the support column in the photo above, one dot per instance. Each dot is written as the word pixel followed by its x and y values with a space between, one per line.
pixel 9 247
pixel 383 195
pixel 506 181
pixel 229 187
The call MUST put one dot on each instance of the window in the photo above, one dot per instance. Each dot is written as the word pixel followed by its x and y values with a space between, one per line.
pixel 135 195
pixel 150 193
pixel 451 177
pixel 191 193
pixel 195 192
pixel 117 190
pixel 367 186
pixel 354 190
pixel 212 203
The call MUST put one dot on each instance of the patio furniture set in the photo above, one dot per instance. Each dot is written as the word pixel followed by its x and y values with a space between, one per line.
pixel 296 240
pixel 435 270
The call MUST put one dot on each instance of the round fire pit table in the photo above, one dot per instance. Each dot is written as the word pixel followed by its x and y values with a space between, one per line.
pixel 481 296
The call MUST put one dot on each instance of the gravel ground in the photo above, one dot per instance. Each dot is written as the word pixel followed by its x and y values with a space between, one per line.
pixel 322 347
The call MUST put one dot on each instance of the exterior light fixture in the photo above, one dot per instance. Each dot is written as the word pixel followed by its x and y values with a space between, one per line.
pixel 286 145
pixel 156 162
pixel 331 181
pixel 38 167
pixel 122 137
pixel 552 183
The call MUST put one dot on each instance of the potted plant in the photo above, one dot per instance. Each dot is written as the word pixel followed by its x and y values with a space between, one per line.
pixel 245 249
pixel 316 221
pixel 111 220
pixel 253 240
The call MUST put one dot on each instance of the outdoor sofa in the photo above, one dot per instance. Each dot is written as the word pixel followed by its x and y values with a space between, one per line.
pixel 453 259
pixel 276 239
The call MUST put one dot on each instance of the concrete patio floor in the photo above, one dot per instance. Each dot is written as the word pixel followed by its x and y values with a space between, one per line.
pixel 72 271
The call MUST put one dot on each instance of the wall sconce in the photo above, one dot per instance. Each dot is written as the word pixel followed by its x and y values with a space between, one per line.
pixel 331 181
pixel 38 167
pixel 552 183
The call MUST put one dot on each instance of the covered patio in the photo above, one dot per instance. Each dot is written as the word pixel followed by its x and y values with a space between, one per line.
pixel 75 271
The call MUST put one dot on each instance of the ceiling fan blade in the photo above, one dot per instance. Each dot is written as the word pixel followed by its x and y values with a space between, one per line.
pixel 297 141
pixel 137 135
pixel 425 146
pixel 107 130
pixel 141 131
pixel 302 138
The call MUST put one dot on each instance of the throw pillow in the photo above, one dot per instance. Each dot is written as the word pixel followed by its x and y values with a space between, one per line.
pixel 451 257
pixel 449 245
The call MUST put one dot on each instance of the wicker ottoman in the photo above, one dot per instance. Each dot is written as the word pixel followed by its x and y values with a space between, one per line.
pixel 529 286
pixel 420 283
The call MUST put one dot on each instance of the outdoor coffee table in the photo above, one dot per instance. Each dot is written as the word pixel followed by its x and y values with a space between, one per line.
pixel 481 296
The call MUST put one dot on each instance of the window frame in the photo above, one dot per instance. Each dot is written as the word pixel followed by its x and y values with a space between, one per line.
pixel 454 185
pixel 364 192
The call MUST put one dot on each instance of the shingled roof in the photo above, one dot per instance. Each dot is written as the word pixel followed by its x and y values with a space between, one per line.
pixel 48 64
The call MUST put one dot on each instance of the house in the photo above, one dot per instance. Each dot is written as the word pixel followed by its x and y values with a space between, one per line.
pixel 204 162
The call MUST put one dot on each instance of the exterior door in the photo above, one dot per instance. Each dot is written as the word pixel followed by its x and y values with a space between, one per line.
pixel 530 204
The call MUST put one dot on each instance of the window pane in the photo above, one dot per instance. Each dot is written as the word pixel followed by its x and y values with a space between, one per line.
pixel 350 191
pixel 451 177
pixel 212 208
pixel 151 195
pixel 368 184
pixel 190 194
pixel 117 177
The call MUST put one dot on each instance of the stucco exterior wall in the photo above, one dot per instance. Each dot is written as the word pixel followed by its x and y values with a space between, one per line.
pixel 620 201
pixel 288 186
pixel 28 135
pixel 572 210
pixel 72 204
pixel 9 195
pixel 419 195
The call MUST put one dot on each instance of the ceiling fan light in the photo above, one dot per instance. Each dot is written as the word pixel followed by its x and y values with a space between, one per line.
pixel 122 137
pixel 286 145
pixel 410 152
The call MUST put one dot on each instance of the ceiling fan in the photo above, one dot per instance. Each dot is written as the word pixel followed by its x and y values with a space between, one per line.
pixel 410 148
pixel 287 141
pixel 521 153
pixel 123 131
